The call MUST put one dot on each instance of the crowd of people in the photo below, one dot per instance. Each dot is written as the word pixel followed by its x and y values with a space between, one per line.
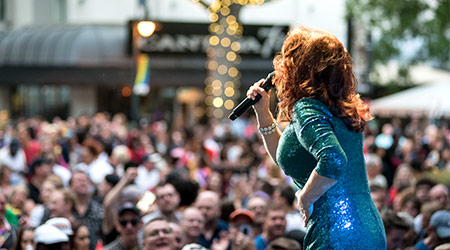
pixel 99 183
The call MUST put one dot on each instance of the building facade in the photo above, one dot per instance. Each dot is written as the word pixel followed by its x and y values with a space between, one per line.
pixel 72 57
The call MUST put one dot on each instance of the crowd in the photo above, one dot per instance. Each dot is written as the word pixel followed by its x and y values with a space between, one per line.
pixel 100 183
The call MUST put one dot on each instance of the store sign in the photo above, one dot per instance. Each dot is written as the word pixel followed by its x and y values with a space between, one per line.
pixel 193 38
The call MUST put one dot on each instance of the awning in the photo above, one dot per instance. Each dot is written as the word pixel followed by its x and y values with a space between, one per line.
pixel 97 54
pixel 429 100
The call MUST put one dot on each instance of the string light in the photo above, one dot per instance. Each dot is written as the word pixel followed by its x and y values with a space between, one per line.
pixel 218 113
pixel 224 30
pixel 229 104
pixel 214 40
pixel 218 102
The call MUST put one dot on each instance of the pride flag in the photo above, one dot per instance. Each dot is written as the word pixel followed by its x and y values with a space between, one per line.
pixel 142 81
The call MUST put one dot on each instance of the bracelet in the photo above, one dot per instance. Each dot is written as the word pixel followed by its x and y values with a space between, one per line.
pixel 269 129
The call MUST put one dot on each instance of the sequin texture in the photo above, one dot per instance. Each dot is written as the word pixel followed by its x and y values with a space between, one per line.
pixel 345 217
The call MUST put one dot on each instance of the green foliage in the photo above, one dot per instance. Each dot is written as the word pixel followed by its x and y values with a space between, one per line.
pixel 397 21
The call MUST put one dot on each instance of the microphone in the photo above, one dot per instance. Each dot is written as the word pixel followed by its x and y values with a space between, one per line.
pixel 247 102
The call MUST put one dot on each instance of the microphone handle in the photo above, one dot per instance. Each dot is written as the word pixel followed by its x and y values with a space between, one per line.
pixel 247 102
pixel 243 106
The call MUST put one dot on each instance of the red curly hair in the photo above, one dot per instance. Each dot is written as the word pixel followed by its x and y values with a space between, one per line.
pixel 315 64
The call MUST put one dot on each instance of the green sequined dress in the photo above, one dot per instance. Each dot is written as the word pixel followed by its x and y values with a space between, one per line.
pixel 345 217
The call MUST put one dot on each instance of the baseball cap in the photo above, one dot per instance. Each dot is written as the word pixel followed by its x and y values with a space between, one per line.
pixel 48 234
pixel 243 213
pixel 440 220
pixel 128 206
pixel 62 224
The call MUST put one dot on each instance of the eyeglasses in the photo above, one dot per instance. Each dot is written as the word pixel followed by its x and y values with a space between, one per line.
pixel 162 196
pixel 156 232
pixel 133 222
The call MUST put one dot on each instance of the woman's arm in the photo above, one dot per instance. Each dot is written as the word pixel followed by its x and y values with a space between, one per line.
pixel 314 188
pixel 265 118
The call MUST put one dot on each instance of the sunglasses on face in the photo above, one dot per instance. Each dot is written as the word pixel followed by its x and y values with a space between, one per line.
pixel 156 232
pixel 133 222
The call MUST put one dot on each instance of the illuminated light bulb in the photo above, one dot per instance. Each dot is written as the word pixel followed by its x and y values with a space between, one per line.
pixel 209 100
pixel 217 92
pixel 214 40
pixel 233 72
pixel 126 91
pixel 212 65
pixel 229 104
pixel 235 46
pixel 229 84
pixel 218 113
pixel 231 56
pixel 208 90
pixel 145 28
pixel 222 69
pixel 225 11
pixel 231 19
pixel 229 92
pixel 230 31
pixel 217 102
pixel 216 84
pixel 213 17
pixel 225 42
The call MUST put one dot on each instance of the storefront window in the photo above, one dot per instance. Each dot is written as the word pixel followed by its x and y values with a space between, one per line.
pixel 45 101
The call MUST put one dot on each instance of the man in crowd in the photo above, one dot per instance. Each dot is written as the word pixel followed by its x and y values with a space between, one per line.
pixel 438 231
pixel 158 235
pixel 379 196
pixel 257 205
pixel 208 203
pixel 439 193
pixel 274 226
pixel 285 196
pixel 167 200
pixel 87 210
pixel 192 225
pixel 128 226
pixel 62 205
pixel 395 228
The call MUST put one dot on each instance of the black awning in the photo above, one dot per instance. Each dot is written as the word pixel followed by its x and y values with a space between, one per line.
pixel 97 55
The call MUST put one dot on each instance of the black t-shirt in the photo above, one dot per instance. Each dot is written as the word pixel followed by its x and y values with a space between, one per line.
pixel 34 193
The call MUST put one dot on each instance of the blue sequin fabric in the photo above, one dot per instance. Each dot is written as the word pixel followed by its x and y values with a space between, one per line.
pixel 345 217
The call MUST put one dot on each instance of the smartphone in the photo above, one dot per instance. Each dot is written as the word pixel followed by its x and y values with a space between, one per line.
pixel 246 229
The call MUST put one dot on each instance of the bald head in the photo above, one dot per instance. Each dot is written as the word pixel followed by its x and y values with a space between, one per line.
pixel 439 193
pixel 208 203
pixel 192 223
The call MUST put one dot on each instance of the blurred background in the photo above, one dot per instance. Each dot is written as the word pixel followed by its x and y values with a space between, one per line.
pixel 78 57
pixel 123 95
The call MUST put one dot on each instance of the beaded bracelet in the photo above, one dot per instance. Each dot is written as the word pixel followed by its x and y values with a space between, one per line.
pixel 269 129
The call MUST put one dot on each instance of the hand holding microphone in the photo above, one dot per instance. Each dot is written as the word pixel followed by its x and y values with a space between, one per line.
pixel 253 96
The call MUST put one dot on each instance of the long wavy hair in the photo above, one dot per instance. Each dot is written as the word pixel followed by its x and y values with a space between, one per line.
pixel 315 64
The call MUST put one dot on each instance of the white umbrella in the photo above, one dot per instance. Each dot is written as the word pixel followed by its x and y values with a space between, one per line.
pixel 432 100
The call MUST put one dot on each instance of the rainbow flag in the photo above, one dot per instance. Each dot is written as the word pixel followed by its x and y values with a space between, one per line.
pixel 142 82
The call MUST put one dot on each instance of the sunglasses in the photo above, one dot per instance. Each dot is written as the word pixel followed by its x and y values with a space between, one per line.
pixel 133 222
pixel 156 232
